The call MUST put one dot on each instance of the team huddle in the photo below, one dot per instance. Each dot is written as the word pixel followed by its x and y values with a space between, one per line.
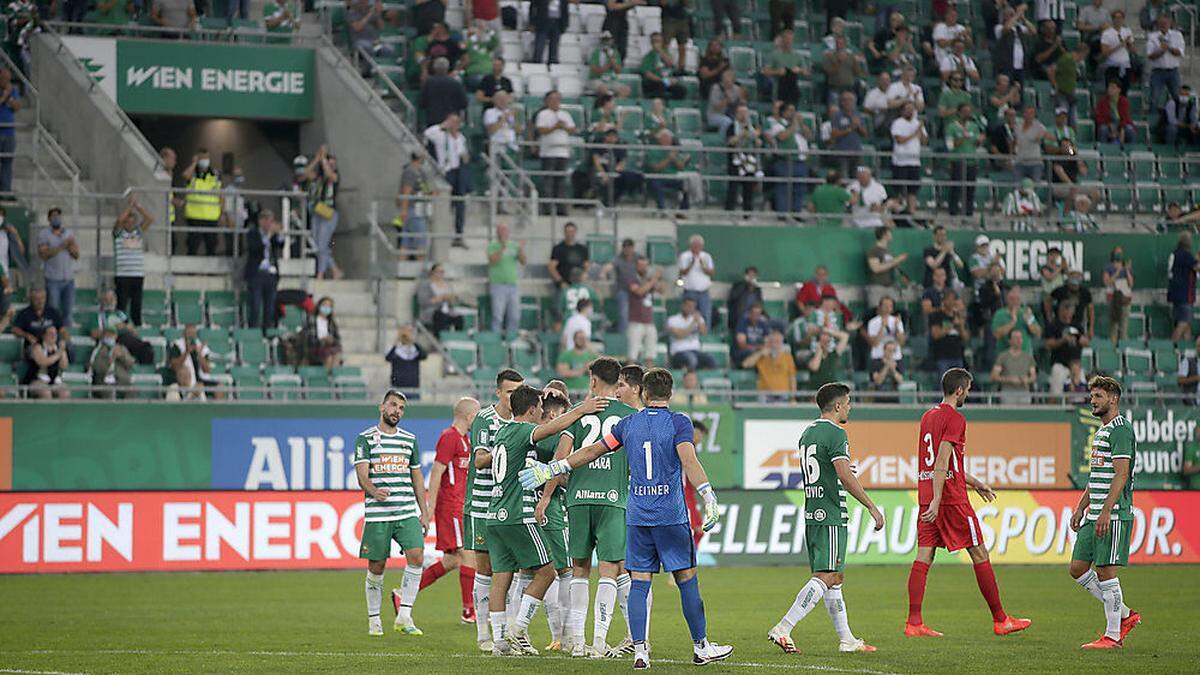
pixel 539 488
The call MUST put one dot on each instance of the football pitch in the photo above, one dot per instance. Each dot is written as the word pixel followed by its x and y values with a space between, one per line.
pixel 315 622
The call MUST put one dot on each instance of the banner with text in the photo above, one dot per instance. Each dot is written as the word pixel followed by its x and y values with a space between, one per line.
pixel 197 79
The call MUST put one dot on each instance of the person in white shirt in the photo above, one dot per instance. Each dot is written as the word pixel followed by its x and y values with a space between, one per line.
pixel 696 269
pixel 959 61
pixel 876 102
pixel 685 329
pixel 448 146
pixel 906 90
pixel 908 135
pixel 946 32
pixel 501 124
pixel 868 199
pixel 1115 44
pixel 886 326
pixel 555 127
pixel 579 322
pixel 1164 50
pixel 788 132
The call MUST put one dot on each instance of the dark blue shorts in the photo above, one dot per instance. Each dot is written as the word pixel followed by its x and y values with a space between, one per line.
pixel 659 547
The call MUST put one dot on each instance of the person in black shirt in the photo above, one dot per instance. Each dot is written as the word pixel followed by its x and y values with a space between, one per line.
pixel 607 173
pixel 406 356
pixel 713 62
pixel 441 94
pixel 941 254
pixel 567 256
pixel 493 82
pixel 440 44
pixel 616 21
pixel 1077 294
pixel 1066 169
pixel 947 325
pixel 1066 343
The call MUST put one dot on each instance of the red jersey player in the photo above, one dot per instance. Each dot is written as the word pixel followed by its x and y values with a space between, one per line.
pixel 947 519
pixel 447 489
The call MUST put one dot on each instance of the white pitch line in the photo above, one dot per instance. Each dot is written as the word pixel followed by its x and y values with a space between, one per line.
pixel 391 655
pixel 37 672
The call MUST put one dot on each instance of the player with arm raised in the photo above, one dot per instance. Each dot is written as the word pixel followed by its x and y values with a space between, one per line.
pixel 825 460
pixel 447 485
pixel 596 496
pixel 660 452
pixel 479 494
pixel 388 466
pixel 947 519
pixel 515 542
pixel 1104 517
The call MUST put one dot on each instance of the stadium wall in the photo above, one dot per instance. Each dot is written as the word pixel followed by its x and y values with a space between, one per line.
pixel 49 446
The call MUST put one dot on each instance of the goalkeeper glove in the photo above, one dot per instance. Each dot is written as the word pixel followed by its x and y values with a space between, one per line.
pixel 712 512
pixel 535 474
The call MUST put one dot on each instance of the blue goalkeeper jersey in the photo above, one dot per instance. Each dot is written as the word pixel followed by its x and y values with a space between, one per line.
pixel 655 472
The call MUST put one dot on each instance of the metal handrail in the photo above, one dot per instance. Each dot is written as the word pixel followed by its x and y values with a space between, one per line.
pixel 140 31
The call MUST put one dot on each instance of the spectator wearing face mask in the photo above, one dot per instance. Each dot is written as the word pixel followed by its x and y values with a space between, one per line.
pixel 50 361
pixel 57 248
pixel 405 356
pixel 323 342
pixel 203 204
pixel 190 361
pixel 111 366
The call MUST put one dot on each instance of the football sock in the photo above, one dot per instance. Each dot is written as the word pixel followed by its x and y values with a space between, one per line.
pixel 606 600
pixel 564 603
pixel 1091 583
pixel 499 621
pixel 432 574
pixel 578 612
pixel 623 585
pixel 916 591
pixel 515 591
pixel 483 589
pixel 408 592
pixel 693 609
pixel 986 578
pixel 649 606
pixel 529 607
pixel 836 607
pixel 639 610
pixel 805 601
pixel 551 602
pixel 374 593
pixel 466 582
pixel 1114 600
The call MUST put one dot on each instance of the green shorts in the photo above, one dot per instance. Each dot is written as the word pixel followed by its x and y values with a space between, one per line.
pixel 826 547
pixel 1112 549
pixel 475 533
pixel 516 547
pixel 594 526
pixel 556 540
pixel 377 538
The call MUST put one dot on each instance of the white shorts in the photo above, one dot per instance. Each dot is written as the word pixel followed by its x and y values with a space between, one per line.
pixel 643 341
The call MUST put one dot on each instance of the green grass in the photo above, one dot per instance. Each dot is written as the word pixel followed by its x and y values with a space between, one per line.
pixel 315 621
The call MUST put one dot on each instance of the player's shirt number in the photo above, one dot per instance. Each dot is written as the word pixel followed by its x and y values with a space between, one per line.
pixel 812 468
pixel 930 455
pixel 499 462
pixel 597 429
pixel 649 460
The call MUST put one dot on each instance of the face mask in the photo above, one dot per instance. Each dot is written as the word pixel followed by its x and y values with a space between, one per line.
pixel 109 341
pixel 238 180
pixel 56 222
pixel 326 310
pixel 1118 257
pixel 202 164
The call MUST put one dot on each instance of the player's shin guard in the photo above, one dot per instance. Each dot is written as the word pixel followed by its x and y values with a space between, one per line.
pixel 482 589
pixel 807 599
pixel 466 583
pixel 578 611
pixel 552 611
pixel 432 574
pixel 1114 600
pixel 639 610
pixel 916 591
pixel 836 606
pixel 606 601
pixel 1091 583
pixel 515 591
pixel 986 578
pixel 374 593
pixel 624 583
pixel 693 609
pixel 408 593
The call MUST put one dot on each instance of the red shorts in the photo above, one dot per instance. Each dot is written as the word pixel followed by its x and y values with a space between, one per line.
pixel 955 527
pixel 449 529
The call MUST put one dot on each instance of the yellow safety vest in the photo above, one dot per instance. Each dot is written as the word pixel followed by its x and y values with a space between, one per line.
pixel 203 205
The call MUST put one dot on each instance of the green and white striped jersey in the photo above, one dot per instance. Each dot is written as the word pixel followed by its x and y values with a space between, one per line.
pixel 480 482
pixel 1112 441
pixel 392 458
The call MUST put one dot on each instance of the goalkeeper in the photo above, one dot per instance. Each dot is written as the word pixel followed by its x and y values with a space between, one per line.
pixel 660 449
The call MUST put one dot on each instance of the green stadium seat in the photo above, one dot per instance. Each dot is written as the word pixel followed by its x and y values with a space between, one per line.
pixel 187 313
pixel 687 121
pixel 601 251
pixel 292 321
pixel 526 357
pixel 1139 361
pixel 253 351
pixel 222 308
pixel 147 385
pixel 309 372
pixel 744 61
pixel 10 348
pixel 346 371
pixel 218 342
pixel 661 251
pixel 1108 359
pixel 1166 360
pixel 284 386
pixel 86 298
pixel 743 380
pixel 318 387
pixel 155 309
pixel 87 320
pixel 718 350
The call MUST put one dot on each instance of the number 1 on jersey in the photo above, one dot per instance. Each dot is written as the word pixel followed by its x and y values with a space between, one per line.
pixel 649 460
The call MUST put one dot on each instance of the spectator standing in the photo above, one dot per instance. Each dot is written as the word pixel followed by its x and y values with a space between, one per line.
pixel 129 255
pixel 875 103
pixel 58 249
pixel 1118 289
pixel 111 366
pixel 502 125
pixel 848 131
pixel 572 365
pixel 1074 292
pixel 790 136
pixel 549 20
pixel 405 357
pixel 1065 342
pixel 1016 317
pixel 843 69
pixel 784 70
pixel 1005 94
pixel 435 302
pixel 951 97
pixel 1181 287
pixel 665 159
pixel 504 260
pixel 441 95
pixel 696 270
pixel 1114 116
pixel 643 335
pixel 776 369
pixel 10 103
pixel 908 135
pixel 1015 371
pixel 623 269
pixel 906 90
pixel 934 293
pixel 1013 45
pixel 868 199
pixel 264 247
pixel 1027 145
pixel 1023 206
pixel 886 326
pixel 713 64
pixel 964 135
pixel 567 256
pixel 745 165
pixel 1181 118
pixel 726 10
pixel 555 127
pixel 685 330
pixel 173 14
pixel 947 328
pixel 448 146
pixel 8 233
pixel 616 22
pixel 203 204
pixel 412 207
pixel 723 99
pixel 941 253
pixel 742 294
pixel 492 84
pixel 49 357
pixel 604 66
pixel 438 43
pixel 751 332
pixel 1048 46
pixel 1116 47
pixel 947 31
pixel 676 27
pixel 323 184
pixel 831 200
pixel 982 259
pixel 323 341
pixel 657 68
pixel 482 44
pixel 881 267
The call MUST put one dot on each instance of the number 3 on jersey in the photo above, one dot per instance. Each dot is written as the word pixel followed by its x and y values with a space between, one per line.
pixel 931 456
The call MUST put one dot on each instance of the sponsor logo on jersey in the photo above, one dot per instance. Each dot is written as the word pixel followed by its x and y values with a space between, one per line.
pixel 612 496
pixel 502 514
pixel 819 514
pixel 389 463
pixel 596 494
